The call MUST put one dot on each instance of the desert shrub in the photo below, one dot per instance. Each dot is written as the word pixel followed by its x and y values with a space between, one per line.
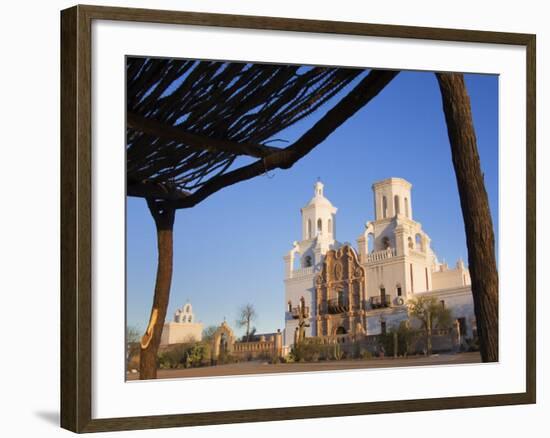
pixel 185 356
pixel 226 358
pixel 309 350
pixel 197 355
pixel 173 357
pixel 405 337
pixel 366 354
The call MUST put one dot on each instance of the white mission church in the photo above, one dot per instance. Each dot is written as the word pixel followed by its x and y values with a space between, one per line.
pixel 365 291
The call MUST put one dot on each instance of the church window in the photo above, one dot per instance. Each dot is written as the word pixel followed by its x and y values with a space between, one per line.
pixel 396 204
pixel 308 261
pixel 399 292
pixel 384 207
pixel 385 242
pixel 411 243
pixel 330 226
pixel 407 208
pixel 289 306
pixel 189 318
pixel 309 228
pixel 319 225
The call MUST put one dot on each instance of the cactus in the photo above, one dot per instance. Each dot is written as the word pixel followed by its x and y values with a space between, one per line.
pixel 338 354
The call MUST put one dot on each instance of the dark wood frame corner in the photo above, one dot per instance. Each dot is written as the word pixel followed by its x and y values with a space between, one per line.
pixel 76 223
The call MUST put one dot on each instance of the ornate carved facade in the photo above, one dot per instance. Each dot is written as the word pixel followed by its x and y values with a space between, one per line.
pixel 340 295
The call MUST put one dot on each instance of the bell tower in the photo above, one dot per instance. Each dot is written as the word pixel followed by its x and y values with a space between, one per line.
pixel 392 197
pixel 318 216
pixel 318 231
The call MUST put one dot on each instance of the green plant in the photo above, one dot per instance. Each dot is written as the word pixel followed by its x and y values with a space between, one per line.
pixel 431 314
pixel 366 355
pixel 308 350
pixel 337 352
pixel 196 355
pixel 226 358
pixel 185 356
pixel 405 336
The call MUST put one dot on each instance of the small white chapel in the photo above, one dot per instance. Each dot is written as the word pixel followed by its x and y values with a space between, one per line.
pixel 183 328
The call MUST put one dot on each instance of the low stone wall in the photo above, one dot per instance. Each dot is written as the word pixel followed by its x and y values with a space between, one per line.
pixel 264 347
pixel 254 350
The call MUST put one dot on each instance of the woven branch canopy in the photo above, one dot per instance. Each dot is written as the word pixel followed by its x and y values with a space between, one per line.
pixel 189 121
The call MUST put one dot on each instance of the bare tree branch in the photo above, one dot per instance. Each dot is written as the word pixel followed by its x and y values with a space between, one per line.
pixel 363 93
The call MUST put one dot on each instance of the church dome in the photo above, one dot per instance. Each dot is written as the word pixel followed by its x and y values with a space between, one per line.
pixel 319 199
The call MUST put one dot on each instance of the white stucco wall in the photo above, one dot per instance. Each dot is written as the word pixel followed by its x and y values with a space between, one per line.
pixel 175 333
pixel 448 278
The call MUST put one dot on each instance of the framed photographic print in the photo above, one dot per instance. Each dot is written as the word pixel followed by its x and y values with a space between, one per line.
pixel 306 212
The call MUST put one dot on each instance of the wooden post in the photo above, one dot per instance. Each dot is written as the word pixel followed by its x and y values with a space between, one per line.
pixel 163 215
pixel 475 210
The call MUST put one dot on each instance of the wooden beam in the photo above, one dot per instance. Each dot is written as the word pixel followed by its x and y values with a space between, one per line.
pixel 195 141
pixel 154 190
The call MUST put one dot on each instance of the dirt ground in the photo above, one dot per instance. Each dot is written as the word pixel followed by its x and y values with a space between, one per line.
pixel 256 367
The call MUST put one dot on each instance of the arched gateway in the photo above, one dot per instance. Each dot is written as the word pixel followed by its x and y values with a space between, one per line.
pixel 222 341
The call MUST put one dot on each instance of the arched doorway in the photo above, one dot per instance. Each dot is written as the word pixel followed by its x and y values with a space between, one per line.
pixel 222 341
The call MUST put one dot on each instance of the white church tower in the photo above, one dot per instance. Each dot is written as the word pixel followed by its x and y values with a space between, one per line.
pixel 306 257
pixel 394 248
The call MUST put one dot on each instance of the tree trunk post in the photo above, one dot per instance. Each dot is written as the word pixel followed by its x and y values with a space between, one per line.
pixel 163 214
pixel 475 210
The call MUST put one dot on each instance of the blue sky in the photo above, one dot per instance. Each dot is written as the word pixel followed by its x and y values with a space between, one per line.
pixel 228 250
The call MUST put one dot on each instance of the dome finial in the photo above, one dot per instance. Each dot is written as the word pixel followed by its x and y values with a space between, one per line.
pixel 318 187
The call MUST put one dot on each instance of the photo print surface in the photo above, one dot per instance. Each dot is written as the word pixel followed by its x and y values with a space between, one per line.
pixel 296 218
